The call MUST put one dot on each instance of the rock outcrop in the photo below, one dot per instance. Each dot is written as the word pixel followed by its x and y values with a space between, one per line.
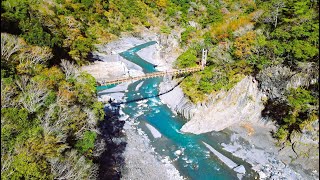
pixel 304 151
pixel 274 81
pixel 173 96
pixel 243 102
pixel 106 70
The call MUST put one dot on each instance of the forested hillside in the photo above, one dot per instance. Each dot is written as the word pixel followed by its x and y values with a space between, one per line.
pixel 275 41
pixel 49 111
pixel 48 115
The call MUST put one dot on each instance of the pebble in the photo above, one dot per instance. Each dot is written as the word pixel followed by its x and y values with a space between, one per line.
pixel 239 176
pixel 262 175
pixel 178 152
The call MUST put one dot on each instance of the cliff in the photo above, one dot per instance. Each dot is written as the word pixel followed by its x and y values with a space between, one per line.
pixel 243 102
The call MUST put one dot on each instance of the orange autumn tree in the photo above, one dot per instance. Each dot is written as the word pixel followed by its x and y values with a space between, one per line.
pixel 244 45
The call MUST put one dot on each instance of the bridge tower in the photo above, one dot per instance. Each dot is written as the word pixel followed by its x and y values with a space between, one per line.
pixel 204 58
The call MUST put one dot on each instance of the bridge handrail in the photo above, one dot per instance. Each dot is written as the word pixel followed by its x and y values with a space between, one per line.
pixel 155 74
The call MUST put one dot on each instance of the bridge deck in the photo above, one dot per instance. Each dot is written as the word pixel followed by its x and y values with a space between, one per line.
pixel 150 75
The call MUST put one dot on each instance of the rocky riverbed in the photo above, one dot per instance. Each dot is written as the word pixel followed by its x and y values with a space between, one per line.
pixel 250 137
pixel 250 134
pixel 140 159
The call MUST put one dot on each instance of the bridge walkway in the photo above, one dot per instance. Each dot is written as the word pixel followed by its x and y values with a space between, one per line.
pixel 150 75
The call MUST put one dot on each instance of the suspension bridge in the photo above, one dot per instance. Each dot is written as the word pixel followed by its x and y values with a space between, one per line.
pixel 173 72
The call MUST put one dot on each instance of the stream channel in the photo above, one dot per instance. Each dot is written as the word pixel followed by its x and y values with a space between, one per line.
pixel 142 103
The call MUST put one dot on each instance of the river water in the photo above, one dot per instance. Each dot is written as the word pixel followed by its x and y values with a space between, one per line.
pixel 195 161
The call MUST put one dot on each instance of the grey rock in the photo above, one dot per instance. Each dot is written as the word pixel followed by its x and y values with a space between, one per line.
pixel 240 169
pixel 273 80
pixel 242 102
pixel 223 158
pixel 262 175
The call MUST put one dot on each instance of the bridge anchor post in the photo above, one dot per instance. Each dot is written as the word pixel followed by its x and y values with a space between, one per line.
pixel 204 58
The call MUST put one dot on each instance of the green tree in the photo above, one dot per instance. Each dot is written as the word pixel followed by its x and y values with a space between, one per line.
pixel 187 59
pixel 86 144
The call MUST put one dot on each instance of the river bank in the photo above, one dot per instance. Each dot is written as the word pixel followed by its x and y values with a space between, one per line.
pixel 140 159
pixel 250 137
pixel 242 142
pixel 137 142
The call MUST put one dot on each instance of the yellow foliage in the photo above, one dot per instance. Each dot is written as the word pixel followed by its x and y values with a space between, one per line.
pixel 76 6
pixel 67 97
pixel 74 54
pixel 244 45
pixel 162 3
pixel 235 19
pixel 65 93
pixel 135 20
pixel 220 30
pixel 237 23
pixel 48 146
pixel 102 34
pixel 52 76
pixel 246 3
pixel 113 7
pixel 98 7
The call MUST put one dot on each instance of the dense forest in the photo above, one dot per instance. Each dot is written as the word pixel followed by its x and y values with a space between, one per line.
pixel 49 109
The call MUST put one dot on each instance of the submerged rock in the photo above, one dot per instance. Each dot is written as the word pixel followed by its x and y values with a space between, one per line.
pixel 223 158
pixel 155 133
pixel 178 152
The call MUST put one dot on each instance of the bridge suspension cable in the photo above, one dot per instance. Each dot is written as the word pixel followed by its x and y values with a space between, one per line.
pixel 159 74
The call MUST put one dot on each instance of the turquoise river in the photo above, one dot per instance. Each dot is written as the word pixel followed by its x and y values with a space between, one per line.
pixel 196 162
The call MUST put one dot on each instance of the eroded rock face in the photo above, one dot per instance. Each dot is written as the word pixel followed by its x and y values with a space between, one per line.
pixel 106 70
pixel 304 151
pixel 173 96
pixel 243 102
pixel 276 80
pixel 170 46
pixel 308 74
pixel 273 81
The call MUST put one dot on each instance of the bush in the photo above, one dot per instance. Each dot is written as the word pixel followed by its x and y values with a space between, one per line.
pixel 187 59
pixel 86 144
pixel 281 134
pixel 165 29
pixel 302 110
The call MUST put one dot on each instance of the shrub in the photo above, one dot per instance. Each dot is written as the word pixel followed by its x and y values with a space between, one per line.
pixel 187 59
pixel 86 144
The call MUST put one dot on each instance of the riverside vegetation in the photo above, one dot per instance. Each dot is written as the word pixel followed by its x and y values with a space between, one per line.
pixel 49 109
